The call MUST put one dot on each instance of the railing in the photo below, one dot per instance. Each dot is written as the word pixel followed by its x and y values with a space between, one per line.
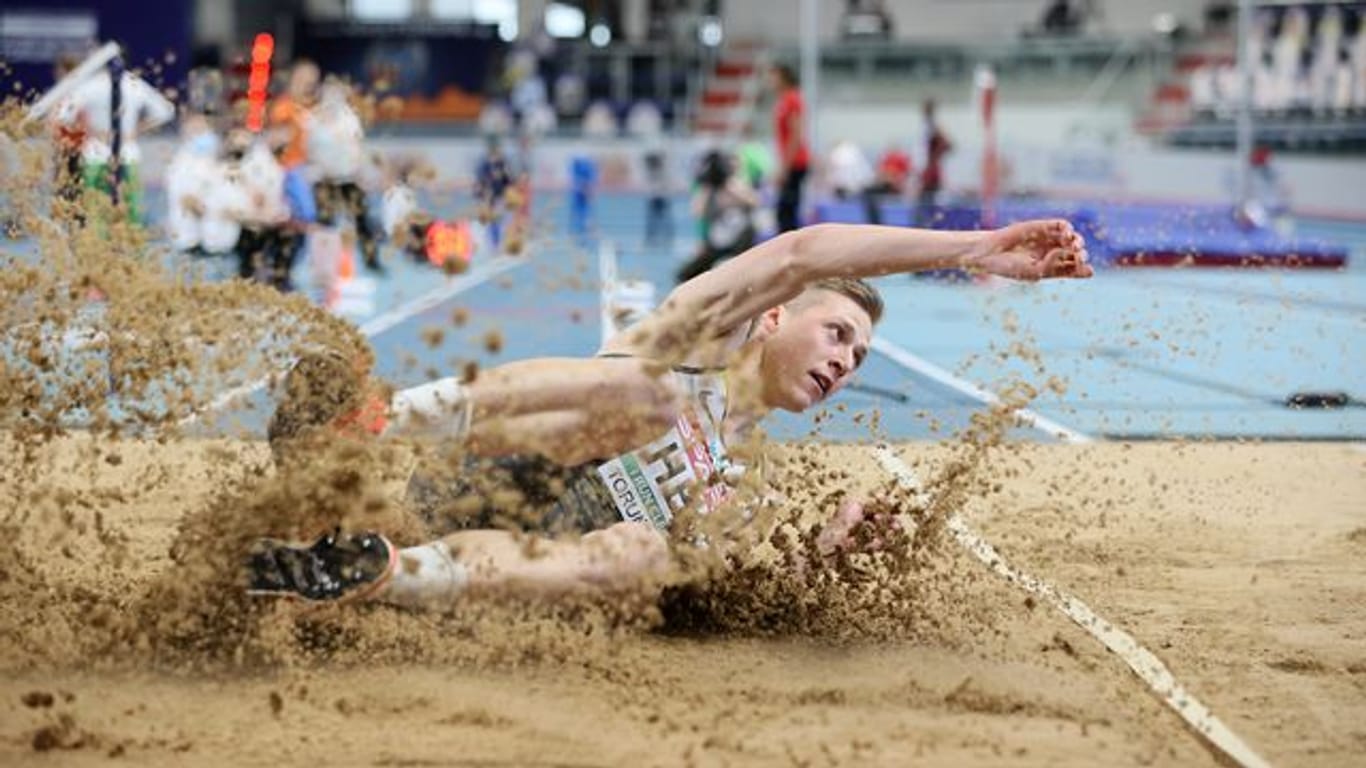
pixel 668 74
pixel 1052 56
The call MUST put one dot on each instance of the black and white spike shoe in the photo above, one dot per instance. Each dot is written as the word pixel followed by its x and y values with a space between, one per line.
pixel 335 567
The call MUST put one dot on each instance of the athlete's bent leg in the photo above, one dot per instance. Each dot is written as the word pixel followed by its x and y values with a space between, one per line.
pixel 483 563
pixel 493 563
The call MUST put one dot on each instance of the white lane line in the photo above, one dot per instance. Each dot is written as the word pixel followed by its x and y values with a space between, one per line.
pixel 383 322
pixel 1143 662
pixel 907 359
pixel 377 325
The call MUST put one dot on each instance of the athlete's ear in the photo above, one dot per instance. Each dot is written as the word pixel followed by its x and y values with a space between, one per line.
pixel 769 321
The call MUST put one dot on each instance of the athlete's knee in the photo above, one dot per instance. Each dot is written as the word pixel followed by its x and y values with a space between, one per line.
pixel 440 407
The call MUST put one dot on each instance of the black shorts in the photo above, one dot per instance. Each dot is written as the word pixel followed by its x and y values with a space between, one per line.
pixel 525 493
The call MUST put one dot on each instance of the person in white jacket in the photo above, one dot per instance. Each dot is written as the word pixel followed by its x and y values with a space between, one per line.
pixel 848 170
pixel 143 109
pixel 336 153
pixel 403 220
pixel 267 243
pixel 201 202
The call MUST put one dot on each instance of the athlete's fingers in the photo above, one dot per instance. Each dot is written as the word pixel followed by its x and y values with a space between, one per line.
pixel 1057 262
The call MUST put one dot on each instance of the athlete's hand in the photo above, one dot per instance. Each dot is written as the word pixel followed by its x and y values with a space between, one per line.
pixel 1031 250
pixel 856 527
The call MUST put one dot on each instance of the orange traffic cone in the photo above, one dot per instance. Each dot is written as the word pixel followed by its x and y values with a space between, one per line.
pixel 346 264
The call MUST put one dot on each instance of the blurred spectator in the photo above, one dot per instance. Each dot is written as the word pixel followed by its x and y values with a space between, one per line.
pixel 756 159
pixel 893 173
pixel 659 227
pixel 89 110
pixel 291 112
pixel 406 225
pixel 287 133
pixel 866 20
pixel 492 179
pixel 852 176
pixel 335 148
pixel 793 155
pixel 266 245
pixel 583 179
pixel 528 93
pixel 1061 18
pixel 937 145
pixel 894 170
pixel 1267 203
pixel 67 140
pixel 724 205
pixel 205 91
pixel 202 204
pixel 303 208
pixel 1219 16
pixel 848 170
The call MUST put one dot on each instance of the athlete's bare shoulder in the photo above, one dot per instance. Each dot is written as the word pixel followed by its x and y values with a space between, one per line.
pixel 684 330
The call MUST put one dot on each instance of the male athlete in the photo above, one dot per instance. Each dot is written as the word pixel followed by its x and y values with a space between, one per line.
pixel 641 431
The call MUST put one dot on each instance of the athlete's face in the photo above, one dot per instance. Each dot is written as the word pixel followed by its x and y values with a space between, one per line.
pixel 812 347
pixel 303 82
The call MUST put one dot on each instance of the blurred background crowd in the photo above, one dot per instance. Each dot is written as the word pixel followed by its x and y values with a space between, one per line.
pixel 262 127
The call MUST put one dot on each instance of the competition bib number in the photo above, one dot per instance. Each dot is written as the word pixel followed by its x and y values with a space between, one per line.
pixel 655 481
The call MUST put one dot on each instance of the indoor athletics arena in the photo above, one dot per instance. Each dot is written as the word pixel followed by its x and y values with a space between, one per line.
pixel 683 382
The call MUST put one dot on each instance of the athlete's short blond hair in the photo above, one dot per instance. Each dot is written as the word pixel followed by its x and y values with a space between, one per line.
pixel 859 291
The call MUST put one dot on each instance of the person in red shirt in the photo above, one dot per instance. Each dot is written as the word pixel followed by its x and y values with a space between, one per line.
pixel 937 145
pixel 794 157
pixel 893 171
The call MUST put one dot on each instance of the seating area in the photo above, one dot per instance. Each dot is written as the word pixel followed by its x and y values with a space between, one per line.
pixel 1308 84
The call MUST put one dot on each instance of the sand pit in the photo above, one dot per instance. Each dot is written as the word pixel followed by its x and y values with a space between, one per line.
pixel 1242 566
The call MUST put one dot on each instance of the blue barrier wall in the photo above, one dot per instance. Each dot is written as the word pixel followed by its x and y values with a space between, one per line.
pixel 152 34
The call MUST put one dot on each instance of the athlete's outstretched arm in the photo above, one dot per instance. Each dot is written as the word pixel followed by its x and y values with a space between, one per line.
pixel 776 271
pixel 567 409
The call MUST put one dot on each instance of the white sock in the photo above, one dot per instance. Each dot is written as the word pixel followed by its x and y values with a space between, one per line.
pixel 439 408
pixel 425 575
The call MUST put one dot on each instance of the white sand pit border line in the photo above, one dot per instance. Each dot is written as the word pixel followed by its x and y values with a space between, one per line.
pixel 1143 662
pixel 607 281
pixel 377 325
pixel 913 362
